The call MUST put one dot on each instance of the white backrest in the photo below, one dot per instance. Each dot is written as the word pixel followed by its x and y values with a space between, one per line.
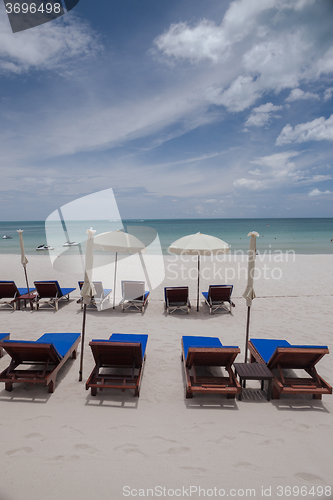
pixel 131 290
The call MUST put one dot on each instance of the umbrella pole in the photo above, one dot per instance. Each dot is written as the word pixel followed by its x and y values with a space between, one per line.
pixel 26 278
pixel 82 341
pixel 198 282
pixel 114 283
pixel 247 332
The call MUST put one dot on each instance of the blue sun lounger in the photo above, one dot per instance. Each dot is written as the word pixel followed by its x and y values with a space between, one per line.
pixel 9 290
pixel 204 352
pixel 216 297
pixel 3 336
pixel 51 290
pixel 45 356
pixel 119 362
pixel 279 355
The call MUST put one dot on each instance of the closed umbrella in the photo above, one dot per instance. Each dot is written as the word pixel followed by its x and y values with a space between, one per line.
pixel 199 244
pixel 88 289
pixel 24 260
pixel 118 242
pixel 249 294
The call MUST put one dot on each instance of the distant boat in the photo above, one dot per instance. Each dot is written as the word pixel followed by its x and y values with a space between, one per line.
pixel 44 247
pixel 70 244
pixel 6 237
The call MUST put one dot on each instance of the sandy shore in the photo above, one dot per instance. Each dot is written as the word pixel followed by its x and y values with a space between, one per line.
pixel 69 445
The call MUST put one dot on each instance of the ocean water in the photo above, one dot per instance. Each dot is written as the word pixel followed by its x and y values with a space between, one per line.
pixel 303 236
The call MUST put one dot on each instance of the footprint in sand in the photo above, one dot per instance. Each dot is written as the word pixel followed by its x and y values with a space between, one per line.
pixel 161 438
pixel 175 451
pixel 270 442
pixel 86 448
pixel 129 449
pixel 35 436
pixel 246 466
pixel 195 470
pixel 19 451
pixel 222 439
pixel 310 478
pixel 64 458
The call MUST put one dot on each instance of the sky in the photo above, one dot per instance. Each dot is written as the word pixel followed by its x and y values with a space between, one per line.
pixel 185 108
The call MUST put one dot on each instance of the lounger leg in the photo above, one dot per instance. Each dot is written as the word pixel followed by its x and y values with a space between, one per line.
pixel 93 391
pixel 51 386
pixel 8 386
pixel 74 354
pixel 189 395
pixel 317 396
pixel 275 393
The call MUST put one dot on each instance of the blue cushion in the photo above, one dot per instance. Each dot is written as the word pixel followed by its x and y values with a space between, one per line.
pixel 23 291
pixel 189 341
pixel 3 335
pixel 266 347
pixel 131 337
pixel 205 294
pixel 62 342
pixel 66 291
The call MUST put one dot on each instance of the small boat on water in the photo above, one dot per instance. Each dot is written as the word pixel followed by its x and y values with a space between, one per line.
pixel 70 244
pixel 7 237
pixel 44 247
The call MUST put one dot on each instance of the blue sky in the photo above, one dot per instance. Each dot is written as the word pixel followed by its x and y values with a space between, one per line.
pixel 185 108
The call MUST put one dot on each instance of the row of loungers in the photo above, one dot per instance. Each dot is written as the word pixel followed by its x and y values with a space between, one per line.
pixel 119 363
pixel 134 295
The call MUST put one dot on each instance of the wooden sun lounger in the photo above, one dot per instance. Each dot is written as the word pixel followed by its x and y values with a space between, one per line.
pixel 216 297
pixel 51 291
pixel 176 298
pixel 119 363
pixel 207 352
pixel 3 336
pixel 44 357
pixel 9 290
pixel 279 355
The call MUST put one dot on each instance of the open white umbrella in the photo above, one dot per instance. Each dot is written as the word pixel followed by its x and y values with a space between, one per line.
pixel 199 244
pixel 118 241
pixel 88 289
pixel 249 294
pixel 24 260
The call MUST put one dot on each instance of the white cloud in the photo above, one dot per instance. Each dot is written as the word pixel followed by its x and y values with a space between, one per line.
pixel 319 129
pixel 317 192
pixel 328 94
pixel 49 46
pixel 261 115
pixel 297 94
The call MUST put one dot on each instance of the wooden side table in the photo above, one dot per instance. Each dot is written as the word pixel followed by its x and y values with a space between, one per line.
pixel 254 371
pixel 27 296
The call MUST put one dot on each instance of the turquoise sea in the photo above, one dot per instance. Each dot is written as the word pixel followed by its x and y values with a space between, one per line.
pixel 303 236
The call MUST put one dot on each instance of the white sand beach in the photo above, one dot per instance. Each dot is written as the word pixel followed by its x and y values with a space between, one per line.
pixel 69 445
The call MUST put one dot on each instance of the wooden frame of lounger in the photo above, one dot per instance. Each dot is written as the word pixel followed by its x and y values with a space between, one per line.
pixel 304 358
pixel 49 290
pixel 210 356
pixel 177 298
pixel 126 356
pixel 9 290
pixel 1 346
pixel 217 296
pixel 43 356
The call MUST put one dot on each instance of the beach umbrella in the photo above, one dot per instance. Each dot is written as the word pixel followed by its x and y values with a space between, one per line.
pixel 199 244
pixel 249 294
pixel 88 289
pixel 24 260
pixel 118 242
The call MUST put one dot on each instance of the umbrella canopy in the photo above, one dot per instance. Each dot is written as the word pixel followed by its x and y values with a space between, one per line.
pixel 249 294
pixel 88 289
pixel 118 241
pixel 199 244
pixel 24 260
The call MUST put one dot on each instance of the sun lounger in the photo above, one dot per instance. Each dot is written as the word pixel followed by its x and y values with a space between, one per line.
pixel 51 290
pixel 176 297
pixel 134 295
pixel 44 356
pixel 102 296
pixel 199 353
pixel 216 297
pixel 119 362
pixel 3 336
pixel 9 290
pixel 279 356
